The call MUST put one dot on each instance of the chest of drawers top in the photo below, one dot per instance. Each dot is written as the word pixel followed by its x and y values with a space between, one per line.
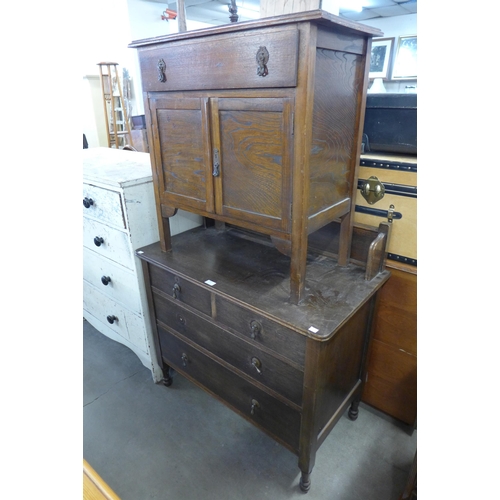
pixel 221 262
pixel 115 169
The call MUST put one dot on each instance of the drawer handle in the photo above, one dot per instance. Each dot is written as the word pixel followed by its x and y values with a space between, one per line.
pixel 176 290
pixel 160 66
pixel 111 319
pixel 257 364
pixel 181 319
pixel 105 280
pixel 98 241
pixel 255 404
pixel 262 57
pixel 184 359
pixel 88 202
pixel 255 328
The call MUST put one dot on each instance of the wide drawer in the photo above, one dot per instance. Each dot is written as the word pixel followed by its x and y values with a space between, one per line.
pixel 248 400
pixel 222 61
pixel 183 290
pixel 245 356
pixel 288 343
pixel 104 205
pixel 125 323
pixel 113 244
pixel 112 279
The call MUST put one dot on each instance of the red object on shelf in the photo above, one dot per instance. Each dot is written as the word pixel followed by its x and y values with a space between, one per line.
pixel 169 14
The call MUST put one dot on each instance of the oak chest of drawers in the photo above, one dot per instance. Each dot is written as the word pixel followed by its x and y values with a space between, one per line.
pixel 222 318
pixel 119 215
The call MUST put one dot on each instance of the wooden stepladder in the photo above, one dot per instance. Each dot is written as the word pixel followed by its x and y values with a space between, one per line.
pixel 115 107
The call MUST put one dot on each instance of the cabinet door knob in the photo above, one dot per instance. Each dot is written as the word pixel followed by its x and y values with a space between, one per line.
pixel 98 241
pixel 255 328
pixel 88 202
pixel 111 319
pixel 105 280
pixel 184 359
pixel 257 364
pixel 176 290
pixel 255 404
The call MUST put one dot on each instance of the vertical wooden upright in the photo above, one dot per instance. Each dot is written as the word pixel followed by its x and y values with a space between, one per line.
pixel 116 130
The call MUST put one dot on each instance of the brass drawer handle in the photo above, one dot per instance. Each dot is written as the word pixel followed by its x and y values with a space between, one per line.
pixel 184 359
pixel 176 290
pixel 160 66
pixel 257 364
pixel 255 404
pixel 255 328
pixel 262 57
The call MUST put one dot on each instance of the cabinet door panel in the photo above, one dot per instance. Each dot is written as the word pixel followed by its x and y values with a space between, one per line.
pixel 182 152
pixel 253 137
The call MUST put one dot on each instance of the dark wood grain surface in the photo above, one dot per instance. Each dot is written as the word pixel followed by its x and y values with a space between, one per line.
pixel 258 275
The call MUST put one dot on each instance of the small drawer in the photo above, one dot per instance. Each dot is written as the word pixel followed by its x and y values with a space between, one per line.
pixel 125 323
pixel 180 289
pixel 227 61
pixel 244 356
pixel 288 343
pixel 249 401
pixel 108 242
pixel 103 205
pixel 112 279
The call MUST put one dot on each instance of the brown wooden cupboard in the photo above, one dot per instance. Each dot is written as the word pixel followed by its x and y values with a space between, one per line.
pixel 257 126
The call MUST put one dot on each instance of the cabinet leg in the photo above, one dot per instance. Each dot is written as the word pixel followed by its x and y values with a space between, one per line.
pixel 167 379
pixel 353 410
pixel 305 482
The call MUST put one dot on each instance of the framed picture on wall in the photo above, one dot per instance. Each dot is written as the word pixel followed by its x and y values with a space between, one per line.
pixel 405 63
pixel 381 56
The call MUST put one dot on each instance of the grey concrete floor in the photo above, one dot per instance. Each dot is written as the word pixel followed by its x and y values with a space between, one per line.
pixel 148 441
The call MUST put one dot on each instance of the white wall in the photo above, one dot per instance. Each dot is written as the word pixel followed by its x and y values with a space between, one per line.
pixel 110 25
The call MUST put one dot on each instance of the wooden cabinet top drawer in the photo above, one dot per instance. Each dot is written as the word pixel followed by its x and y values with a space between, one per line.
pixel 264 331
pixel 104 205
pixel 251 59
pixel 246 357
pixel 261 408
pixel 181 289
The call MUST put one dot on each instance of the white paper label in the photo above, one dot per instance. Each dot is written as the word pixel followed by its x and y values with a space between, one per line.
pixel 210 282
pixel 313 330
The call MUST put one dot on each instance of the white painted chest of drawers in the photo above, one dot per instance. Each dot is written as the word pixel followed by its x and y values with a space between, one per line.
pixel 119 216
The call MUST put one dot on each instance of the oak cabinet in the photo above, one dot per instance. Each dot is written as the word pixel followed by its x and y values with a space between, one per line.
pixel 257 124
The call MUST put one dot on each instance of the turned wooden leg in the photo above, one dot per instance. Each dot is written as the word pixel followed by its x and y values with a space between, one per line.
pixel 305 482
pixel 167 379
pixel 353 410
